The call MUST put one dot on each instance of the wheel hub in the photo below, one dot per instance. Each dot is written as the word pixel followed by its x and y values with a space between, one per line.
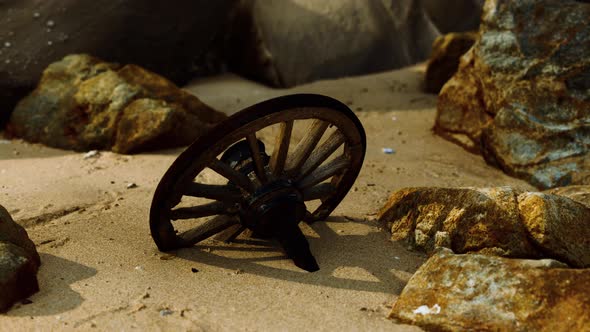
pixel 274 209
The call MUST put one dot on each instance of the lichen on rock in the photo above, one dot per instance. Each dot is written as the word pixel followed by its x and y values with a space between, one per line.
pixel 485 293
pixel 521 95
pixel 82 103
pixel 499 221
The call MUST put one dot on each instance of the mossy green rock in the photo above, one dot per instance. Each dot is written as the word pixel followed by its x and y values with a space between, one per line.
pixel 82 103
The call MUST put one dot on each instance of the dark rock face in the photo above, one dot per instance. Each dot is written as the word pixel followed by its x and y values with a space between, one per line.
pixel 82 103
pixel 485 293
pixel 444 61
pixel 19 262
pixel 454 15
pixel 522 94
pixel 161 36
pixel 285 43
pixel 499 221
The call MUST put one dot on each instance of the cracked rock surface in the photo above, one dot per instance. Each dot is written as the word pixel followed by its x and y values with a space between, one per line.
pixel 501 221
pixel 482 293
pixel 521 95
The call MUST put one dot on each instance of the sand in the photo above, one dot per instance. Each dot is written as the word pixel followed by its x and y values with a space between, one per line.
pixel 102 271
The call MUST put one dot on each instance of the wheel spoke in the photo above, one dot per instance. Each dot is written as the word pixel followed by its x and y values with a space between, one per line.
pixel 204 210
pixel 207 229
pixel 224 193
pixel 258 162
pixel 324 172
pixel 323 152
pixel 320 191
pixel 306 146
pixel 279 155
pixel 231 233
pixel 232 175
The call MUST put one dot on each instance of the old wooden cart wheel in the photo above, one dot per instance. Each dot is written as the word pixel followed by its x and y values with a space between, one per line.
pixel 226 182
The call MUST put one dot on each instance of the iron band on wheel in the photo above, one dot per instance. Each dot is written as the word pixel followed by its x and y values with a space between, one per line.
pixel 265 191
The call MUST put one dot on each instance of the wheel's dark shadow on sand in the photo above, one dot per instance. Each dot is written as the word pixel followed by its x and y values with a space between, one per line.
pixel 55 276
pixel 372 252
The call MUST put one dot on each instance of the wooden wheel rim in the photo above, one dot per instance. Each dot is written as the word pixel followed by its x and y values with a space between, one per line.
pixel 202 152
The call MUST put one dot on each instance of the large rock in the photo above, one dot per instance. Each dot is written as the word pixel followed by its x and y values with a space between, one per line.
pixel 522 94
pixel 579 193
pixel 485 293
pixel 500 221
pixel 444 60
pixel 166 37
pixel 290 42
pixel 82 103
pixel 19 262
pixel 558 226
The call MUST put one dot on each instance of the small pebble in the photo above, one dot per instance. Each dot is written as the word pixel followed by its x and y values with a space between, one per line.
pixel 388 150
pixel 194 270
pixel 139 268
pixel 394 118
pixel 166 312
pixel 7 44
pixel 91 154
pixel 131 185
pixel 50 23
pixel 49 43
pixel 36 15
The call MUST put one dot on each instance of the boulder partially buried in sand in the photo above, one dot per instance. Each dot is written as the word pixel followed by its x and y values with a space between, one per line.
pixel 291 42
pixel 522 93
pixel 82 103
pixel 485 293
pixel 166 37
pixel 500 221
pixel 19 262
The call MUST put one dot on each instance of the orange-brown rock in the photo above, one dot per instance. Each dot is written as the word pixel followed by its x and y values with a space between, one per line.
pixel 82 103
pixel 500 221
pixel 558 226
pixel 484 293
pixel 521 95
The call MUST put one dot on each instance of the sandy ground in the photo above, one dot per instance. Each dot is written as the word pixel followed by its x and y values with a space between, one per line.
pixel 101 269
